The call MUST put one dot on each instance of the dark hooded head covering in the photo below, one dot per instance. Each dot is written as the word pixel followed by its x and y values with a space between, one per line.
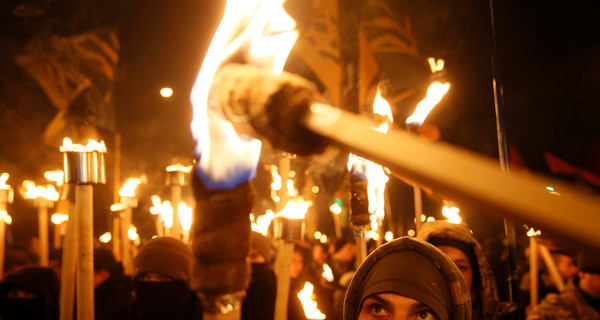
pixel 414 269
pixel 39 287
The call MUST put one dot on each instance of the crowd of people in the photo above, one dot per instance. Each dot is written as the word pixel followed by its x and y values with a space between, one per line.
pixel 442 273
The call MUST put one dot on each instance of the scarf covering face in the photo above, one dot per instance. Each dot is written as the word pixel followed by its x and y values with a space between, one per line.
pixel 415 269
pixel 409 274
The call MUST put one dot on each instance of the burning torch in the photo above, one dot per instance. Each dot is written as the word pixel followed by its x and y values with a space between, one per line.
pixel 83 167
pixel 6 197
pixel 43 198
pixel 124 209
pixel 176 179
pixel 289 228
pixel 413 123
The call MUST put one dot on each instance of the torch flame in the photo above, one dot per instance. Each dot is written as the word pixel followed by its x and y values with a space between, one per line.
pixel 435 92
pixel 226 158
pixel 308 303
pixel 105 237
pixel 451 213
pixel 57 176
pixel 327 273
pixel 132 233
pixel 179 167
pixel 156 204
pixel 533 233
pixel 92 145
pixel 261 223
pixel 185 216
pixel 59 218
pixel 166 214
pixel 295 208
pixel 435 65
pixel 128 190
pixel 3 178
pixel 30 191
pixel 5 217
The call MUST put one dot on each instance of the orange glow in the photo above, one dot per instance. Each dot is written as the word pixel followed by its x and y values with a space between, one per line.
pixel 533 233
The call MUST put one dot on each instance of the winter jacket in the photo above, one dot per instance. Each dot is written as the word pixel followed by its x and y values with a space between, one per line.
pixel 488 306
pixel 569 304
pixel 461 301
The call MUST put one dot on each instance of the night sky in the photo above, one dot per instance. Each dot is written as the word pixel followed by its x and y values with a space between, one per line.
pixel 548 63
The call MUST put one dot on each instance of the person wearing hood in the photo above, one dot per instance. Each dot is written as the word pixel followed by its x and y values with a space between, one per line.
pixel 30 293
pixel 113 291
pixel 163 269
pixel 407 279
pixel 458 243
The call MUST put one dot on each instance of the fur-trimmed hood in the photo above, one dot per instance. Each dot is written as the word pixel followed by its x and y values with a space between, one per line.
pixel 492 308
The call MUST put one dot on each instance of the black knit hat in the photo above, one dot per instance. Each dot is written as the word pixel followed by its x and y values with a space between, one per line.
pixel 166 256
pixel 589 261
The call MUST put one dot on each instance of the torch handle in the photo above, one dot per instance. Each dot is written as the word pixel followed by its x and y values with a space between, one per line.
pixel 85 263
pixel 361 244
pixel 418 207
pixel 126 245
pixel 533 272
pixel 282 270
pixel 69 265
pixel 2 246
pixel 43 234
pixel 552 269
pixel 463 176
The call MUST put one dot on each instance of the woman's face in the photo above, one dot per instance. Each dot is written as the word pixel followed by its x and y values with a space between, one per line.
pixel 391 306
pixel 461 261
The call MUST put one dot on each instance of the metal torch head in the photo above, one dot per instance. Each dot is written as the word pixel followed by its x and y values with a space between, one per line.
pixel 85 167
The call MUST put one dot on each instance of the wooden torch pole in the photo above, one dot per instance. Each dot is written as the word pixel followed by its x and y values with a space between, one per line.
pixel 69 261
pixel 533 271
pixel 43 230
pixel 85 263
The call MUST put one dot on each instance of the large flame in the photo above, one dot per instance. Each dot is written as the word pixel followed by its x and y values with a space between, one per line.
pixel 92 145
pixel 30 191
pixel 435 93
pixel 267 31
pixel 308 303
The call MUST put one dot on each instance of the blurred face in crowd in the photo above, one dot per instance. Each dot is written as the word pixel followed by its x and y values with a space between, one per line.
pixel 391 306
pixel 152 277
pixel 566 266
pixel 319 254
pixel 297 265
pixel 461 261
pixel 590 284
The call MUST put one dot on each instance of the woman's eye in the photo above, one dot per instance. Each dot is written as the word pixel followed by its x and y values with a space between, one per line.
pixel 378 310
pixel 425 315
